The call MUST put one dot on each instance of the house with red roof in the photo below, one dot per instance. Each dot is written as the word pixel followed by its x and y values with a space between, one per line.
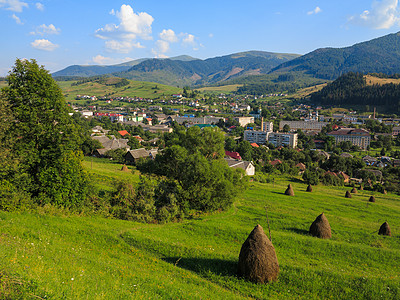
pixel 234 155
pixel 123 132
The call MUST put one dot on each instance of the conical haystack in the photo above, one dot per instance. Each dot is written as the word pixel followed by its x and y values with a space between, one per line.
pixel 371 199
pixel 384 192
pixel 257 258
pixel 124 168
pixel 309 188
pixel 321 228
pixel 353 190
pixel 348 195
pixel 289 191
pixel 385 229
pixel 361 188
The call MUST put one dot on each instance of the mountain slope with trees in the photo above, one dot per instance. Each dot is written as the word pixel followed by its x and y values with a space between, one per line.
pixel 380 55
pixel 352 89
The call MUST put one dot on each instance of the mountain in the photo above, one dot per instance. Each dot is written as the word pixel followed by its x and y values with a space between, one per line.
pixel 95 70
pixel 380 55
pixel 211 70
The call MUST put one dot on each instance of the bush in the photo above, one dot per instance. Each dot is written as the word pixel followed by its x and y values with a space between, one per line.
pixel 13 199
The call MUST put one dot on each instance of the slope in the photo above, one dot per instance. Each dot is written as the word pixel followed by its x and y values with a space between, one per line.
pixel 380 55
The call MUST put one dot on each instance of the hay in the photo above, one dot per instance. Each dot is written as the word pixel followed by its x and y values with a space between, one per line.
pixel 124 168
pixel 385 229
pixel 361 188
pixel 384 192
pixel 353 190
pixel 257 258
pixel 348 195
pixel 320 227
pixel 289 191
pixel 371 199
pixel 309 188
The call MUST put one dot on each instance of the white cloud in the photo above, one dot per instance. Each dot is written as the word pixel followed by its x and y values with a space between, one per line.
pixel 43 44
pixel 384 14
pixel 189 39
pixel 131 27
pixel 112 12
pixel 211 35
pixel 121 46
pixel 316 10
pixel 102 60
pixel 39 6
pixel 168 35
pixel 46 29
pixel 13 5
pixel 17 19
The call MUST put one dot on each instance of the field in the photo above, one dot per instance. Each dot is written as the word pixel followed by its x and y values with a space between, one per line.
pixel 134 89
pixel 220 89
pixel 62 256
pixel 376 80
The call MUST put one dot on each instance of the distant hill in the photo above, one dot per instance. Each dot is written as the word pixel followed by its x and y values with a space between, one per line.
pixel 186 70
pixel 203 72
pixel 357 89
pixel 95 70
pixel 380 55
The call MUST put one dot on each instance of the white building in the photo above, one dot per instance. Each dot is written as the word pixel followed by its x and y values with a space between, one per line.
pixel 283 139
pixel 255 136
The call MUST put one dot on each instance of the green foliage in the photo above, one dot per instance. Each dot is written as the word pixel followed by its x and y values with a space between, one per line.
pixel 48 140
pixel 311 177
pixel 117 155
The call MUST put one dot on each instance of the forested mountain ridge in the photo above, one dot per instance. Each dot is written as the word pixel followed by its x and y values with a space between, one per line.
pixel 184 70
pixel 352 89
pixel 380 55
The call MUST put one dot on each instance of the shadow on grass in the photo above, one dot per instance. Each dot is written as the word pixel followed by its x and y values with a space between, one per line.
pixel 299 231
pixel 203 266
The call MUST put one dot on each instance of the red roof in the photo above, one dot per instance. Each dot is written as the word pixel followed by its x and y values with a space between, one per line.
pixel 234 155
pixel 275 162
pixel 254 145
pixel 123 132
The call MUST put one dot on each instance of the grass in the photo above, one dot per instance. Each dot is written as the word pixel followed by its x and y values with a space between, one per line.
pixel 78 257
pixel 220 89
pixel 134 89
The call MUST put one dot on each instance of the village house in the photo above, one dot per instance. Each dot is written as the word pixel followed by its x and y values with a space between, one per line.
pixel 247 166
pixel 133 156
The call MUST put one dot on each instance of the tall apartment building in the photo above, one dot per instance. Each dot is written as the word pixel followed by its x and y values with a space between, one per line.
pixel 303 125
pixel 283 139
pixel 255 136
pixel 357 136
pixel 197 120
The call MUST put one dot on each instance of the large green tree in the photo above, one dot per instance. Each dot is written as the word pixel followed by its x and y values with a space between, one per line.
pixel 47 140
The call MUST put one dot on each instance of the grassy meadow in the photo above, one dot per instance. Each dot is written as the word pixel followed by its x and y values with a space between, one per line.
pixel 62 256
pixel 134 89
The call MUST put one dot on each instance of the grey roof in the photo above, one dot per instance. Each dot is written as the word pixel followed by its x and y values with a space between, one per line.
pixel 111 143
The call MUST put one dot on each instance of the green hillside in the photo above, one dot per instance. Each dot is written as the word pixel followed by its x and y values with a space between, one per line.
pixel 51 254
pixel 110 87
pixel 380 55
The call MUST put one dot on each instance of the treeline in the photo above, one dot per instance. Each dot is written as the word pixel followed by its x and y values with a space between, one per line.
pixel 352 89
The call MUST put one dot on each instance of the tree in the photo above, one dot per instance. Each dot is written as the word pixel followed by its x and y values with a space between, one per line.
pixel 286 128
pixel 48 143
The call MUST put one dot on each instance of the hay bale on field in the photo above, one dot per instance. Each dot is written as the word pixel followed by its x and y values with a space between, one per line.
pixel 384 192
pixel 124 168
pixel 320 228
pixel 347 195
pixel 289 191
pixel 257 258
pixel 361 188
pixel 385 229
pixel 309 188
pixel 371 199
pixel 353 190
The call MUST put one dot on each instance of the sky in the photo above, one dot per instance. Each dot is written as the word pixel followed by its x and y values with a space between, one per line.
pixel 59 33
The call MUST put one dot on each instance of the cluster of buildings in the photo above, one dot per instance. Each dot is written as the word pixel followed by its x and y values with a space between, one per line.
pixel 267 135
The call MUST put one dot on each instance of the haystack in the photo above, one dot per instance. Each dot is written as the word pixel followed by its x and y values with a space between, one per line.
pixel 289 191
pixel 385 229
pixel 348 195
pixel 361 188
pixel 353 190
pixel 124 168
pixel 371 199
pixel 321 228
pixel 309 188
pixel 257 258
pixel 384 192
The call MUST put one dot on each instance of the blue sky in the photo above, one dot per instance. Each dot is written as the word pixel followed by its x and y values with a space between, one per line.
pixel 61 33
